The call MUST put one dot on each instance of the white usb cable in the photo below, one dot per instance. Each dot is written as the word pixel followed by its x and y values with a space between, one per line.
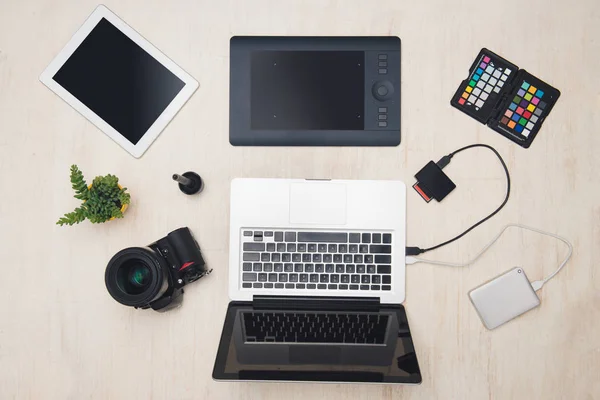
pixel 537 285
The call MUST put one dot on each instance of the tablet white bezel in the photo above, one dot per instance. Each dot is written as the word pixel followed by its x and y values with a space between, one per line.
pixel 165 117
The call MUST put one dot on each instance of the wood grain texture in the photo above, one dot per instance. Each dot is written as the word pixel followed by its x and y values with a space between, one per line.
pixel 63 337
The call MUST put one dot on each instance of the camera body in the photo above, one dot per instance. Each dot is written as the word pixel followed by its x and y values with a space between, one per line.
pixel 154 276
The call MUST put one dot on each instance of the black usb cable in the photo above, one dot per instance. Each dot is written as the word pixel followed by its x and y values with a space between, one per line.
pixel 433 183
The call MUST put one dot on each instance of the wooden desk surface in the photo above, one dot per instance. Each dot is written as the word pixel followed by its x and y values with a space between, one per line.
pixel 63 337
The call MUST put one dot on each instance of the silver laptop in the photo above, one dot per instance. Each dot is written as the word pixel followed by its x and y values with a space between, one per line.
pixel 317 238
pixel 316 279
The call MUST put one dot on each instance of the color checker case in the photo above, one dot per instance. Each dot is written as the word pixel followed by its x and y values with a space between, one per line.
pixel 510 101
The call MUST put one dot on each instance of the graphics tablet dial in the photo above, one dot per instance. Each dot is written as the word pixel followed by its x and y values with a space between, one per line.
pixel 383 90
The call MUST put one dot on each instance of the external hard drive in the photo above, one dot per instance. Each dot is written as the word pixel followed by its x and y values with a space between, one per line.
pixel 504 298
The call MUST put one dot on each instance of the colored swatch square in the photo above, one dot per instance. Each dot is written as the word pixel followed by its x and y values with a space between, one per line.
pixel 525 85
pixel 508 113
pixel 516 117
pixel 532 89
pixel 535 100
pixel 519 128
pixel 465 95
pixel 512 106
pixel 524 103
pixel 461 101
pixel 512 124
pixel 486 59
pixel 528 96
pixel 526 114
pixel 472 83
pixel 520 110
pixel 521 92
pixel 504 120
pixel 539 93
pixel 476 77
pixel 517 99
pixel 531 108
pixel 483 65
pixel 523 121
pixel 479 71
pixel 526 132
pixel 469 89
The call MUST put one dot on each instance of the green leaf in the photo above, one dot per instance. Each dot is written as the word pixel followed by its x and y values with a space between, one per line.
pixel 72 218
pixel 78 183
pixel 116 213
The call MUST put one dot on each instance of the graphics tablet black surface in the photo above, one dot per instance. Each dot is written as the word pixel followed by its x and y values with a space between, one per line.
pixel 314 91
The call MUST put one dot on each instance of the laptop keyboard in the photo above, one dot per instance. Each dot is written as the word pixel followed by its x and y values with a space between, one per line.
pixel 278 259
pixel 315 327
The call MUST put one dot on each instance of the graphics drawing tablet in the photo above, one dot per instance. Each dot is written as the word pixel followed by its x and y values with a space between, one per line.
pixel 314 91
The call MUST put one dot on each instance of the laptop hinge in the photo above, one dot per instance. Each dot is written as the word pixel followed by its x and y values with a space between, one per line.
pixel 316 303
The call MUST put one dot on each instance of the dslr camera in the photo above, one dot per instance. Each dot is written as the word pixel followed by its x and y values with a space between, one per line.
pixel 154 276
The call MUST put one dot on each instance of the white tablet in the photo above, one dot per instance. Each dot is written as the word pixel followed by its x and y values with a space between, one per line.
pixel 119 81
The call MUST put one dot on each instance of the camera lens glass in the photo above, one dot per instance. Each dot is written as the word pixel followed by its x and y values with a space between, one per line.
pixel 134 277
pixel 139 276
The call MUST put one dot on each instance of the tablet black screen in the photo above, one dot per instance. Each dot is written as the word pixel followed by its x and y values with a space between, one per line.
pixel 119 81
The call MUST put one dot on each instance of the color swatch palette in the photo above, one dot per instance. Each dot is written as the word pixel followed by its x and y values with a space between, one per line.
pixel 487 78
pixel 509 100
pixel 524 110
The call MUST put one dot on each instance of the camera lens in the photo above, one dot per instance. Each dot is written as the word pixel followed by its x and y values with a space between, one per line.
pixel 139 275
pixel 133 277
pixel 136 276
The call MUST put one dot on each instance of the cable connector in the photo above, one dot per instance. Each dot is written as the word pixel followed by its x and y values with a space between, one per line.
pixel 444 161
pixel 413 251
pixel 537 285
pixel 411 260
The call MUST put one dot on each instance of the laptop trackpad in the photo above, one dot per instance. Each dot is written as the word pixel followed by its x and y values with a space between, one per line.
pixel 318 203
pixel 303 354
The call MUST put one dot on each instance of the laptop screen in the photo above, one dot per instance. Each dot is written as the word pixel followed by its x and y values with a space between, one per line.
pixel 302 345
